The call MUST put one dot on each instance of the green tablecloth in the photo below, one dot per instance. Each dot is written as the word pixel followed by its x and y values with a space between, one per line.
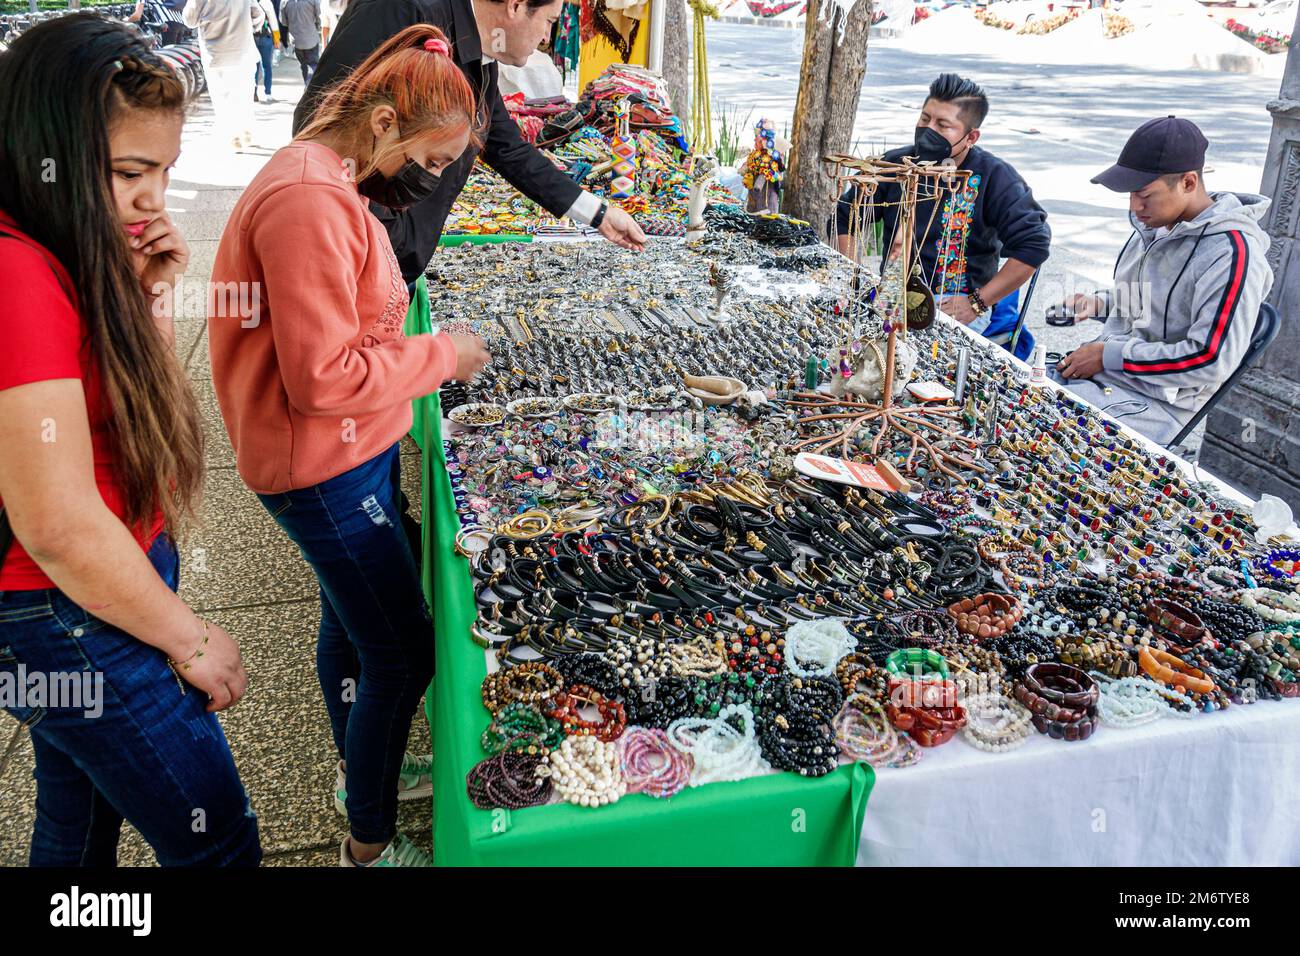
pixel 774 820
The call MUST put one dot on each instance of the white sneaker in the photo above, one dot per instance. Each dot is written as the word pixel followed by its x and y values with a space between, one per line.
pixel 400 852
pixel 415 781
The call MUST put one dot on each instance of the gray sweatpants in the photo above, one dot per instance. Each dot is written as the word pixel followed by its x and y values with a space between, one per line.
pixel 1150 416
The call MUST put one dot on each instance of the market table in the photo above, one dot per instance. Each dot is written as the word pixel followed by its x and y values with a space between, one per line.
pixel 773 820
pixel 1214 790
pixel 1217 790
pixel 1208 790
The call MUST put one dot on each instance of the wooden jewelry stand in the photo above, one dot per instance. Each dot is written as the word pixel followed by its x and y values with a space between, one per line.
pixel 922 425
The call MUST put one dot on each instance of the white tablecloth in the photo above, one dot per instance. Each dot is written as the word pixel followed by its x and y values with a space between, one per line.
pixel 1221 789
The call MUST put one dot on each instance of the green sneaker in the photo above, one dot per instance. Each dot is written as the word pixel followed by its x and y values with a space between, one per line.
pixel 401 852
pixel 415 781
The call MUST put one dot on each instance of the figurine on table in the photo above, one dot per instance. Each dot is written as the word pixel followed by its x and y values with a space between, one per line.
pixel 764 170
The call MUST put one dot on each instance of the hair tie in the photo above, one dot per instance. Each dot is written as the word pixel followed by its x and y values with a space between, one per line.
pixel 437 45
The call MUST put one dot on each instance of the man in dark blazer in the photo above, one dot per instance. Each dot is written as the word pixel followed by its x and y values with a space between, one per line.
pixel 482 33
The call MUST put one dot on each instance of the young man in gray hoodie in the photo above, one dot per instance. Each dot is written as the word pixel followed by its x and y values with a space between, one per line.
pixel 1188 286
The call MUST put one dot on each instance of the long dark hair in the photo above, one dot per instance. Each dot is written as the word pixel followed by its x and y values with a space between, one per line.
pixel 62 85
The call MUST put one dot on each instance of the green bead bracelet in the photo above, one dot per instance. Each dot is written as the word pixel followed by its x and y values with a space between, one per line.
pixel 917 663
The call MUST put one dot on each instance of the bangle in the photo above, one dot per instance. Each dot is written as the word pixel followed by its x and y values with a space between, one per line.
pixel 1177 619
pixel 1062 684
pixel 597 219
pixel 917 664
pixel 1168 669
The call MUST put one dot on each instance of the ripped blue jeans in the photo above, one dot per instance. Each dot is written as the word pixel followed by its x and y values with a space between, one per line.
pixel 374 654
pixel 114 737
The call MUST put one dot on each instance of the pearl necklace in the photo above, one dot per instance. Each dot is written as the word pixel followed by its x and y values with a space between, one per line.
pixel 995 723
pixel 1266 606
pixel 585 771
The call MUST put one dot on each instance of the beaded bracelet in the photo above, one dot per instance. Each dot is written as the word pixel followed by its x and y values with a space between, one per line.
pixel 858 669
pixel 1062 684
pixel 509 780
pixel 1177 619
pixel 995 723
pixel 1040 706
pixel 522 728
pixel 1063 730
pixel 608 727
pixel 986 615
pixel 721 751
pixel 531 682
pixel 652 765
pixel 585 770
pixel 906 692
pixel 864 733
pixel 813 648
pixel 929 727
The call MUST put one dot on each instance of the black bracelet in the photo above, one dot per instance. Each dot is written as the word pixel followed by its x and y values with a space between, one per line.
pixel 980 307
pixel 597 219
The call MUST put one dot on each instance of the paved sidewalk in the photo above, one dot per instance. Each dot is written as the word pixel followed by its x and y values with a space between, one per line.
pixel 239 570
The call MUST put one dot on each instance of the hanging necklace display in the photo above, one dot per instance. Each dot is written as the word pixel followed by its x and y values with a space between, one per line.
pixel 929 433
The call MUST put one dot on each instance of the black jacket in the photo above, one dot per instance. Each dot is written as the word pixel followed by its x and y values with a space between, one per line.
pixel 415 231
pixel 999 214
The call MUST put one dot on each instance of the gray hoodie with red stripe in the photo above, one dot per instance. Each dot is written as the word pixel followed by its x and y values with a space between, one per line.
pixel 1184 304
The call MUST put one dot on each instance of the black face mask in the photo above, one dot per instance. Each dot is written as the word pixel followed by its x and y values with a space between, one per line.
pixel 411 184
pixel 930 146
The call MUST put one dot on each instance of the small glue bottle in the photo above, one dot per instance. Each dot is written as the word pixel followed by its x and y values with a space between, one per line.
pixel 1038 375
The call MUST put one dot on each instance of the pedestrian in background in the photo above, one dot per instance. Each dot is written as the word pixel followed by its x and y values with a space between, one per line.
pixel 228 53
pixel 301 20
pixel 266 34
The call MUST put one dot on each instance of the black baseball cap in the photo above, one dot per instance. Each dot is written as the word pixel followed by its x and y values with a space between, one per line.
pixel 1158 147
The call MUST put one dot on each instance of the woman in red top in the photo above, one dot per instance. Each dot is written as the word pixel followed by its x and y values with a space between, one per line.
pixel 100 459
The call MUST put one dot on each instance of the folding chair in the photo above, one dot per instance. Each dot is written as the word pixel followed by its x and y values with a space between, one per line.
pixel 1267 325
pixel 1009 340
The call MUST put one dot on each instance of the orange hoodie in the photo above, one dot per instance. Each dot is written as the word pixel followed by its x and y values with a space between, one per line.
pixel 313 373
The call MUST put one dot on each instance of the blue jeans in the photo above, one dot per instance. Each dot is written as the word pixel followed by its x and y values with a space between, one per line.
pixel 374 654
pixel 265 49
pixel 146 752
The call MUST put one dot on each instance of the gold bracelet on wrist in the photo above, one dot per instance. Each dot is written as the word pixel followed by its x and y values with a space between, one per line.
pixel 198 652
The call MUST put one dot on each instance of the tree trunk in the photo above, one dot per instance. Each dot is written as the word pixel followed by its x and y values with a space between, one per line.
pixel 677 61
pixel 830 84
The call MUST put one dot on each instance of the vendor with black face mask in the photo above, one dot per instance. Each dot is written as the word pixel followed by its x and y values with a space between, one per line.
pixel 996 216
